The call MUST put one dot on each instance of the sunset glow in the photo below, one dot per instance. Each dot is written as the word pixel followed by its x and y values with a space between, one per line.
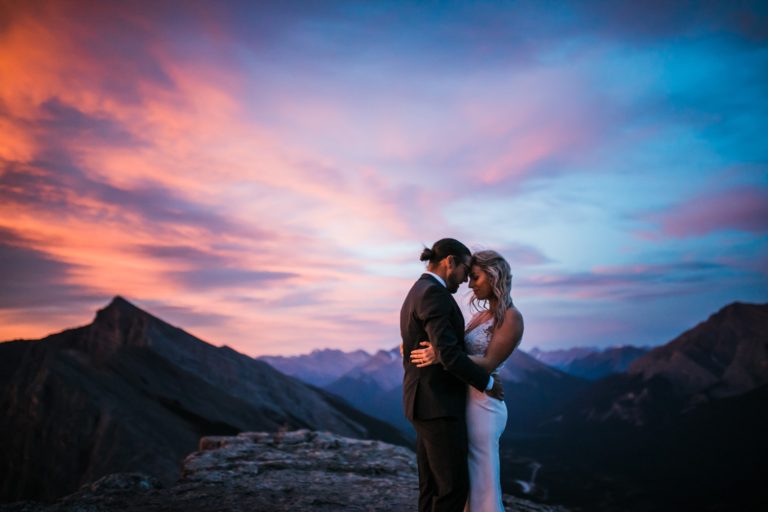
pixel 264 175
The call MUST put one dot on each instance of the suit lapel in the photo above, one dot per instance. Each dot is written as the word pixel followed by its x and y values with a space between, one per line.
pixel 458 316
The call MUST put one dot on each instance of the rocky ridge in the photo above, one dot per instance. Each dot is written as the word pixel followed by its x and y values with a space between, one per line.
pixel 275 471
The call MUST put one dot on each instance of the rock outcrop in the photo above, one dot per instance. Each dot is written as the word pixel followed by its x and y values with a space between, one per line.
pixel 267 471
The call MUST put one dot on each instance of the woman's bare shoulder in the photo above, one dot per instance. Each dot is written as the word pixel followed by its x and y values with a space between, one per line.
pixel 513 320
pixel 513 314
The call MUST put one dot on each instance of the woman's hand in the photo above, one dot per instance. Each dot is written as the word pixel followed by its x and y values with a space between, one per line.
pixel 422 357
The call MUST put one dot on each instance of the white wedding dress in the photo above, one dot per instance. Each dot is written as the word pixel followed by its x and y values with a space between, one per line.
pixel 486 420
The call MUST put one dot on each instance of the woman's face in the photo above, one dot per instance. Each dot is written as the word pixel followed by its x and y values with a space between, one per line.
pixel 479 283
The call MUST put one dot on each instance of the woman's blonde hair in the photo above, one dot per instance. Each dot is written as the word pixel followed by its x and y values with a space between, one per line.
pixel 500 275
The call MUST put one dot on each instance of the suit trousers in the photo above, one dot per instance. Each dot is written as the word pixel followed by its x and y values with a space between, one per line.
pixel 441 452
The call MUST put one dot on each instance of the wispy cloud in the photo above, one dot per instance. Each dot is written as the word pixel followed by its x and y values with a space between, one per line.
pixel 742 209
pixel 32 279
pixel 629 282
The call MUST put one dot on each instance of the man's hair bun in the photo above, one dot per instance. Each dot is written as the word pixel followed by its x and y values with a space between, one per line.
pixel 443 248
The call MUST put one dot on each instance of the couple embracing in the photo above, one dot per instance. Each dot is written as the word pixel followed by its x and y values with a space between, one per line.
pixel 451 392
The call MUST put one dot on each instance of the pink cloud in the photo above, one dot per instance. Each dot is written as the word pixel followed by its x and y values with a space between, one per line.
pixel 740 209
pixel 88 209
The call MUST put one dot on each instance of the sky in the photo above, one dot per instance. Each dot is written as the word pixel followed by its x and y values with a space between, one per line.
pixel 265 174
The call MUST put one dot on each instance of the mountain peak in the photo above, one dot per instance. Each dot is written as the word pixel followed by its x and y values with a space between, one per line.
pixel 722 356
pixel 119 299
pixel 738 309
pixel 120 323
pixel 121 310
pixel 120 303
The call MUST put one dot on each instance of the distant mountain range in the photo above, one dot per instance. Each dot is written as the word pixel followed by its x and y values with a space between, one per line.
pixel 130 392
pixel 535 384
pixel 559 358
pixel 532 389
pixel 371 383
pixel 320 367
pixel 375 387
pixel 590 363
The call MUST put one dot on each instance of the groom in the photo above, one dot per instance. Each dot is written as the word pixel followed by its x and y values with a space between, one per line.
pixel 435 396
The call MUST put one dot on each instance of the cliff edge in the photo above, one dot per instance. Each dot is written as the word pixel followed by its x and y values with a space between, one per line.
pixel 282 471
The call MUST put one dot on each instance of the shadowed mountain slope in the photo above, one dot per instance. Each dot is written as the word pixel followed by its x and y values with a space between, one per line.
pixel 682 429
pixel 130 392
pixel 727 355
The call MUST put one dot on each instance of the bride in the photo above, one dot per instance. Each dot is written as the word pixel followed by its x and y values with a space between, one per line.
pixel 491 335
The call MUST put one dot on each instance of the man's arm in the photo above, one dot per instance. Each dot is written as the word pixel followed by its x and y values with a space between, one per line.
pixel 435 310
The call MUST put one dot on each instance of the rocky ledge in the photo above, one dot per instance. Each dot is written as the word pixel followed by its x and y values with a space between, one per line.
pixel 259 471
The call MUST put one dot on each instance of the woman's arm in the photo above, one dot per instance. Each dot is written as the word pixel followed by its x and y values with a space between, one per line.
pixel 483 363
pixel 504 341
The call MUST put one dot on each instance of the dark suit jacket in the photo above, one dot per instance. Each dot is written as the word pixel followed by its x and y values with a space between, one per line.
pixel 440 390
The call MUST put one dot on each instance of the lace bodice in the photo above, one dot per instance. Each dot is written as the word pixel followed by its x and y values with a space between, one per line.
pixel 477 339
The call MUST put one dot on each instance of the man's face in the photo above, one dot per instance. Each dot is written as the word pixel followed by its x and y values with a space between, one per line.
pixel 458 270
